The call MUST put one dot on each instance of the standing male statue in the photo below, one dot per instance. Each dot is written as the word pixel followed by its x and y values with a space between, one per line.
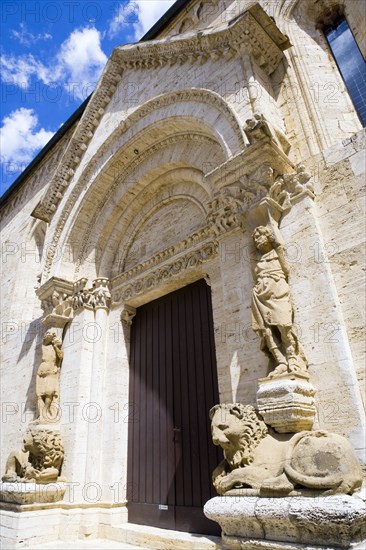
pixel 272 311
pixel 48 379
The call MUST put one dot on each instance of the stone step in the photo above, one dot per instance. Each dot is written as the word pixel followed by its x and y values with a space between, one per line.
pixel 94 544
pixel 160 539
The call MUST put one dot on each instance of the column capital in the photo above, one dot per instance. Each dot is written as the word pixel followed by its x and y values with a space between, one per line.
pixel 56 297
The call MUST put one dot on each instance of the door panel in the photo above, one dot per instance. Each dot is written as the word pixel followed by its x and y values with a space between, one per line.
pixel 173 385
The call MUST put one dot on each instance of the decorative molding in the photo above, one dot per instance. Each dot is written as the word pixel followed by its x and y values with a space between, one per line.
pixel 198 95
pixel 139 285
pixel 124 173
pixel 82 135
pixel 164 255
pixel 253 32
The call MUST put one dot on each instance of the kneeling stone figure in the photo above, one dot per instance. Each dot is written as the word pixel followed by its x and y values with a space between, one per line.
pixel 274 464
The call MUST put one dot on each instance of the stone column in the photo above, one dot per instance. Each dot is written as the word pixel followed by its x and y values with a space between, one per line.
pixel 96 410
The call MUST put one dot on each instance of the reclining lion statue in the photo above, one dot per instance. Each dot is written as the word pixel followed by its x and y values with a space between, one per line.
pixel 39 461
pixel 274 464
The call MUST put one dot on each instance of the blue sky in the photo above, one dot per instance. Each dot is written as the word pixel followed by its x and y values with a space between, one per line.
pixel 51 55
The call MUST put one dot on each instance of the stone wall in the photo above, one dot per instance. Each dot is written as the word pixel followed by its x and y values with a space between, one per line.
pixel 23 241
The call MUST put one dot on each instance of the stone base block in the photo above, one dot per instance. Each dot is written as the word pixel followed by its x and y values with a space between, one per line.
pixel 287 402
pixel 324 522
pixel 30 493
pixel 29 526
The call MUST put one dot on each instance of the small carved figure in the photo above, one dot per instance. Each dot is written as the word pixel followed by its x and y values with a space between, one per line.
pixel 102 297
pixel 39 461
pixel 128 315
pixel 289 186
pixel 272 311
pixel 258 128
pixel 48 379
pixel 90 299
pixel 62 305
pixel 280 194
pixel 79 300
pixel 275 464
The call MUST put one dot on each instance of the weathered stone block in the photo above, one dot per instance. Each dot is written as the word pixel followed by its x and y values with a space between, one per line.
pixel 287 402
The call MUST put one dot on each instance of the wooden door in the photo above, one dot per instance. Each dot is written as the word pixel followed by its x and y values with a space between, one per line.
pixel 173 385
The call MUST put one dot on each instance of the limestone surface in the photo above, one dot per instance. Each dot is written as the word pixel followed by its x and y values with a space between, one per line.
pixel 337 521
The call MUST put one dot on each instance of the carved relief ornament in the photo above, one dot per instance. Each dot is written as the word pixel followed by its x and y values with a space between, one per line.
pixel 153 279
pixel 278 191
pixel 98 296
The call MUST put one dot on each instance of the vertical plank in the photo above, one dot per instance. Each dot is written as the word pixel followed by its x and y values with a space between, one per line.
pixel 169 403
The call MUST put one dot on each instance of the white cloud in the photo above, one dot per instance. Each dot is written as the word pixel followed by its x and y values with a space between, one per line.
pixel 27 38
pixel 81 58
pixel 140 14
pixel 79 63
pixel 19 137
pixel 19 70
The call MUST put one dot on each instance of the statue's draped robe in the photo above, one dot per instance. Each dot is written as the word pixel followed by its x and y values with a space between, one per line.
pixel 271 305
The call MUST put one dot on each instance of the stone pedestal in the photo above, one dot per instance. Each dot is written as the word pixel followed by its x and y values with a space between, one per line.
pixel 31 493
pixel 309 523
pixel 287 402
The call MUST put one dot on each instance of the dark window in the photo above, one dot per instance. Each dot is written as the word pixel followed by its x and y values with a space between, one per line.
pixel 350 63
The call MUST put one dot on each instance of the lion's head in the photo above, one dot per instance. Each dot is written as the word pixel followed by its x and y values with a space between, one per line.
pixel 238 429
pixel 45 449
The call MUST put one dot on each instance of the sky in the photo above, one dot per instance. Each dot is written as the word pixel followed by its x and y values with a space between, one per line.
pixel 51 56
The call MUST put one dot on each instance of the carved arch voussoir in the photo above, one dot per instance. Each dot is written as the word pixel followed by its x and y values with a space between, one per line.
pixel 53 248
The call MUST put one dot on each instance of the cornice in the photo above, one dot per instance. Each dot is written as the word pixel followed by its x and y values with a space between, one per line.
pixel 251 33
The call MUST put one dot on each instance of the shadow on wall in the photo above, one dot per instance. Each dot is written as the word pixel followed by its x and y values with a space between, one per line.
pixel 32 338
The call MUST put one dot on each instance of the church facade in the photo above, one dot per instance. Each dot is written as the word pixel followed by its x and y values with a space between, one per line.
pixel 129 265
